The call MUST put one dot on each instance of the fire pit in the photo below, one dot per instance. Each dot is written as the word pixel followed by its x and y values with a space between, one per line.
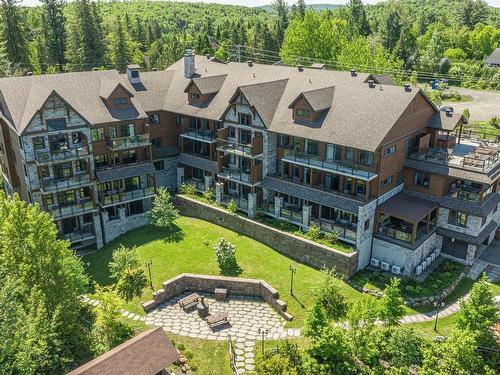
pixel 202 308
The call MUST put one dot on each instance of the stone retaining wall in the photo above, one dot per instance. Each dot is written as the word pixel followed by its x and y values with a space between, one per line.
pixel 207 284
pixel 297 248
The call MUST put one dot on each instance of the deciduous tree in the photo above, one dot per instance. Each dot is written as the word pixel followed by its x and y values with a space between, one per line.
pixel 163 213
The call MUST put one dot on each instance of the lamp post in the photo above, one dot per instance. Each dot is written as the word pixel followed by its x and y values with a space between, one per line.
pixel 148 264
pixel 439 305
pixel 292 270
pixel 263 333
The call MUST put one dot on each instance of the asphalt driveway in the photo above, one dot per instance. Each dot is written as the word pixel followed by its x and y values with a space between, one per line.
pixel 486 104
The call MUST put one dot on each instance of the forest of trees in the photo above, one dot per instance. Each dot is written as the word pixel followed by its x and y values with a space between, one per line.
pixel 398 36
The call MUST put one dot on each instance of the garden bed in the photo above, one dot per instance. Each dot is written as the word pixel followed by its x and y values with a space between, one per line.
pixel 437 286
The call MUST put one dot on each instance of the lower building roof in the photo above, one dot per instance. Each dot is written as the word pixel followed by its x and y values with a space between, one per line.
pixel 125 172
pixel 197 162
pixel 407 207
pixel 146 354
pixel 475 240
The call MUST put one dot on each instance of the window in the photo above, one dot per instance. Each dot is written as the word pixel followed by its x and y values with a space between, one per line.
pixel 458 218
pixel 178 119
pixel 134 73
pixel 194 95
pixel 63 170
pixel 311 147
pixel 80 166
pixel 303 113
pixel 127 130
pixel 386 182
pixel 349 154
pixel 366 157
pixel 244 119
pixel 159 165
pixel 129 156
pixel 25 170
pixel 284 140
pixel 55 124
pixel 348 185
pixel 39 143
pixel 156 142
pixel 232 159
pixel 120 101
pixel 66 198
pixel 231 132
pixel 154 119
pixel 101 160
pixel 400 177
pixel 367 224
pixel 112 132
pixel 232 185
pixel 333 152
pixel 360 188
pixel 421 179
pixel 389 151
pixel 195 123
pixel 97 134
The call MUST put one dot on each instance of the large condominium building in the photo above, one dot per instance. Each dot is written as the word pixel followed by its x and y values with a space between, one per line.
pixel 378 164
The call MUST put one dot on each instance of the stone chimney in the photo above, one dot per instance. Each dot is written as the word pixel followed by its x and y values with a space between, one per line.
pixel 134 74
pixel 189 64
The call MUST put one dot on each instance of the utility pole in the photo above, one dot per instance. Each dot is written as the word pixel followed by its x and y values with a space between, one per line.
pixel 148 264
pixel 292 270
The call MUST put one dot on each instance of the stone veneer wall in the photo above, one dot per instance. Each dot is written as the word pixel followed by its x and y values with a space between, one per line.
pixel 299 249
pixel 188 282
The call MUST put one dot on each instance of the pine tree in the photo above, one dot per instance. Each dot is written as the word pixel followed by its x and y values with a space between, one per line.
pixel 55 33
pixel 281 9
pixel 120 50
pixel 392 307
pixel 358 24
pixel 13 33
pixel 301 8
pixel 4 61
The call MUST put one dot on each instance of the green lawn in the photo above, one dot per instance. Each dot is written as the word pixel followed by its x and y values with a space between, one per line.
pixel 193 252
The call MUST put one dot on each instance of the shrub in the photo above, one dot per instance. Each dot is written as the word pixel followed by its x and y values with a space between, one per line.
pixel 329 295
pixel 332 236
pixel 163 213
pixel 188 189
pixel 208 195
pixel 314 232
pixel 225 253
pixel 232 207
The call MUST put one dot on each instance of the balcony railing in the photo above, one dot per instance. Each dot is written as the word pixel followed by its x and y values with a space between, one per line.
pixel 344 229
pixel 468 194
pixel 405 235
pixel 241 203
pixel 110 198
pixel 79 234
pixel 49 184
pixel 200 135
pixel 235 175
pixel 45 156
pixel 328 165
pixel 76 209
pixel 198 184
pixel 129 142
pixel 254 148
pixel 292 213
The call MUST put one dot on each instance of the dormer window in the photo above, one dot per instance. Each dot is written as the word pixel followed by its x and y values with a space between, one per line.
pixel 194 95
pixel 303 113
pixel 120 101
pixel 244 119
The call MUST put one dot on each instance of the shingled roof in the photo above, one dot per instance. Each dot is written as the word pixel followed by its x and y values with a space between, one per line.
pixel 318 99
pixel 208 85
pixel 146 354
pixel 494 58
pixel 444 121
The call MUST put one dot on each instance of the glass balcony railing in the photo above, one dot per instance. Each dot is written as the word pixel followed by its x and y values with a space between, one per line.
pixel 292 213
pixel 251 149
pixel 110 198
pixel 76 209
pixel 200 135
pixel 334 166
pixel 45 156
pixel 344 229
pixel 241 203
pixel 235 175
pixel 50 184
pixel 198 184
pixel 79 234
pixel 129 142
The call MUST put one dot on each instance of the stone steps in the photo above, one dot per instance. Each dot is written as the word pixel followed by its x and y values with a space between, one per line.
pixel 477 269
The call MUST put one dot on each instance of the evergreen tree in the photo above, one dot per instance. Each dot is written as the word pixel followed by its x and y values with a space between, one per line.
pixel 4 61
pixel 391 26
pixel 55 33
pixel 472 12
pixel 392 307
pixel 163 213
pixel 281 9
pixel 357 22
pixel 13 33
pixel 120 50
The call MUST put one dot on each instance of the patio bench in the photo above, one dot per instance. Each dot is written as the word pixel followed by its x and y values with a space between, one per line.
pixel 217 319
pixel 189 301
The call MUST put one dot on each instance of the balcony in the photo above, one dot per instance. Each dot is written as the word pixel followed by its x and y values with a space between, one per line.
pixel 250 150
pixel 327 165
pixel 124 143
pixel 198 184
pixel 68 211
pixel 207 136
pixel 465 193
pixel 343 228
pixel 79 234
pixel 43 157
pixel 111 198
pixel 241 203
pixel 49 184
pixel 237 175
pixel 291 213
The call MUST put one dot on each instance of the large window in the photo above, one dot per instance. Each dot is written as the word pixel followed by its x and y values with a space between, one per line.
pixel 333 152
pixel 101 160
pixel 63 170
pixel 365 157
pixel 66 198
pixel 284 140
pixel 97 134
pixel 458 218
pixel 386 182
pixel 349 154
pixel 311 147
pixel 389 151
pixel 55 124
pixel 39 143
pixel 127 130
pixel 303 113
pixel 244 119
pixel 120 101
pixel 422 179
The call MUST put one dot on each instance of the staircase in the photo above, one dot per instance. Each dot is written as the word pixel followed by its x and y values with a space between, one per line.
pixel 493 273
pixel 477 269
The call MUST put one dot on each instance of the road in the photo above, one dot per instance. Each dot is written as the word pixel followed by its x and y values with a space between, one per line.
pixel 486 104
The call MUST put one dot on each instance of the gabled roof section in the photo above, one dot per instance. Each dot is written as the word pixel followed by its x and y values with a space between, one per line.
pixel 494 58
pixel 445 121
pixel 108 87
pixel 264 97
pixel 207 85
pixel 319 99
pixel 35 100
pixel 146 354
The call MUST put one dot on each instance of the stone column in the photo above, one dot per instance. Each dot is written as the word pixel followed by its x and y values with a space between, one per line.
pixel 105 220
pixel 99 239
pixel 306 216
pixel 252 205
pixel 219 189
pixel 208 182
pixel 471 254
pixel 278 203
pixel 180 176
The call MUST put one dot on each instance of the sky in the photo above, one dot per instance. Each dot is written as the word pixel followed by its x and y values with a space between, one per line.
pixel 252 3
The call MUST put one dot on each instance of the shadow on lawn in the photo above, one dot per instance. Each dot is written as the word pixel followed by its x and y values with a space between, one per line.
pixel 173 234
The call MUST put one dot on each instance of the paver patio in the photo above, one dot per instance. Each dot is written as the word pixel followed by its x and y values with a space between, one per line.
pixel 245 314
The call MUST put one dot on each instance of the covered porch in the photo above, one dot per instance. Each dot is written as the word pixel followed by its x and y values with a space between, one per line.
pixel 406 220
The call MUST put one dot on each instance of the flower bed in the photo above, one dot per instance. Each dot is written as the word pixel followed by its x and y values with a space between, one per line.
pixel 438 285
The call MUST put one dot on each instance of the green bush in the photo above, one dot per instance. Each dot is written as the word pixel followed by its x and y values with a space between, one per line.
pixel 188 189
pixel 232 207
pixel 314 232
